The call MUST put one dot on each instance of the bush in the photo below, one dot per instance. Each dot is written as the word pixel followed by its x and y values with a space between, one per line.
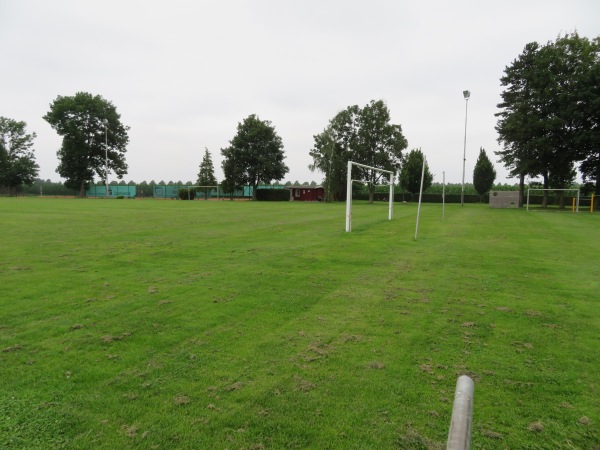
pixel 273 195
pixel 187 194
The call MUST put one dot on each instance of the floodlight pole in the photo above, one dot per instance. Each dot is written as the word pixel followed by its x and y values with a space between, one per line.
pixel 466 95
pixel 106 155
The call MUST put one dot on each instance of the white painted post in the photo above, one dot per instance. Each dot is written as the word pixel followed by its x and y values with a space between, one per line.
pixel 443 195
pixel 391 203
pixel 459 435
pixel 349 198
pixel 420 196
pixel 527 199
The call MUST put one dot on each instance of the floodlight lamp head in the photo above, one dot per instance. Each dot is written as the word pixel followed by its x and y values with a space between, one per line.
pixel 466 94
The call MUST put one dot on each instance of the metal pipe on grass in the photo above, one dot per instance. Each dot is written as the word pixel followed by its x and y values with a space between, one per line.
pixel 459 436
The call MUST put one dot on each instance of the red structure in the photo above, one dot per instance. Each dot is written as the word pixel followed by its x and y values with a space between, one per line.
pixel 306 193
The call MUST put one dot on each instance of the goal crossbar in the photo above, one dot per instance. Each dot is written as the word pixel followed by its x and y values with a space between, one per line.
pixel 552 190
pixel 349 181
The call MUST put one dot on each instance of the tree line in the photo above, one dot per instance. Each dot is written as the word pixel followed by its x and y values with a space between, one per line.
pixel 548 123
pixel 41 187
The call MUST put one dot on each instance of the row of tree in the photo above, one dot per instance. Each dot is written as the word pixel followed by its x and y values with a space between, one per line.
pixel 549 117
pixel 255 155
pixel 548 122
pixel 146 188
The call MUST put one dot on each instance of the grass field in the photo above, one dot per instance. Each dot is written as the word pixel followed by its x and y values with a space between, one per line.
pixel 249 325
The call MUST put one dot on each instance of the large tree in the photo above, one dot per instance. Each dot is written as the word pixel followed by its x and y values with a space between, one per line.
pixel 332 150
pixel 17 159
pixel 255 155
pixel 206 175
pixel 589 107
pixel 484 174
pixel 92 134
pixel 364 135
pixel 412 169
pixel 549 110
pixel 380 143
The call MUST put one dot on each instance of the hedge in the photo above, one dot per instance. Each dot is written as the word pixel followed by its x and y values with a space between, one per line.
pixel 273 195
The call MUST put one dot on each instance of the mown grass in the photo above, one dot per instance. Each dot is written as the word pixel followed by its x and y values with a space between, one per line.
pixel 169 324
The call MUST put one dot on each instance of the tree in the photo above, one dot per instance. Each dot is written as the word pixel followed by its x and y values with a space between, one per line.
pixel 484 174
pixel 206 176
pixel 17 159
pixel 549 113
pixel 92 133
pixel 379 143
pixel 364 135
pixel 412 168
pixel 255 155
pixel 332 150
pixel 589 107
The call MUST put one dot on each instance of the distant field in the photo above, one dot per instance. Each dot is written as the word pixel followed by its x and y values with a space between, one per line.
pixel 173 324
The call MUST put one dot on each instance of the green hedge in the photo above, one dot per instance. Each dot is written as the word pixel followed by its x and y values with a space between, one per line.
pixel 427 198
pixel 273 195
pixel 187 194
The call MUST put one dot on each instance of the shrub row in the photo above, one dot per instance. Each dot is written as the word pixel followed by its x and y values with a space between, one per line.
pixel 273 195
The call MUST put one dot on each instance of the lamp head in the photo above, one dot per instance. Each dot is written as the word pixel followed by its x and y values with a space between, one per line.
pixel 466 94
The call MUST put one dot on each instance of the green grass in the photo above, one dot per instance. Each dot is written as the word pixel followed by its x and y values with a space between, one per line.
pixel 170 324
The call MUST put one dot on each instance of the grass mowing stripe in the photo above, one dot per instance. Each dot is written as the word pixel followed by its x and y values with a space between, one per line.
pixel 249 324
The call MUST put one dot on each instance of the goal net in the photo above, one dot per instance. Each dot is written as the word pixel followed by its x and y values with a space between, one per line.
pixel 349 192
pixel 549 191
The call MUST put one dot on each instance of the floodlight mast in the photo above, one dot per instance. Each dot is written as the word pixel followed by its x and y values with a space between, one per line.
pixel 349 192
pixel 466 95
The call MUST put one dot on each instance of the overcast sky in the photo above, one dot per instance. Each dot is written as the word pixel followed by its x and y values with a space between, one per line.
pixel 183 74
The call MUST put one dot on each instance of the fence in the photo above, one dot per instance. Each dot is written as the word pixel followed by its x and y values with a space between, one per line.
pixel 113 191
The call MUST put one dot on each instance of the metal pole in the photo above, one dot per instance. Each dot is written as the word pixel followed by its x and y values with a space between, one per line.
pixel 466 94
pixel 420 197
pixel 527 199
pixel 391 205
pixel 349 198
pixel 459 435
pixel 106 155
pixel 443 195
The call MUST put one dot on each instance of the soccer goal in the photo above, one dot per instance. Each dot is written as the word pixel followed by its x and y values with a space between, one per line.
pixel 555 190
pixel 208 187
pixel 349 192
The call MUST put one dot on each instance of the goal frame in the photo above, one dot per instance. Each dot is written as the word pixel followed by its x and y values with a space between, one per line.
pixel 205 187
pixel 553 190
pixel 349 192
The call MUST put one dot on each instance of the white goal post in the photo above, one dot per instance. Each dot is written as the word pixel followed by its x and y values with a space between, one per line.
pixel 553 190
pixel 349 192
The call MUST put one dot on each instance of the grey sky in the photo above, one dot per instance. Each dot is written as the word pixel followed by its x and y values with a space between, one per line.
pixel 182 74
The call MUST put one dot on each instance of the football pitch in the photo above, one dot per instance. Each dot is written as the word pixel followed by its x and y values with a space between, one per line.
pixel 255 325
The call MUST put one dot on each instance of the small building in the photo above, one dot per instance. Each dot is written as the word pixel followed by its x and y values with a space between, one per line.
pixel 306 193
